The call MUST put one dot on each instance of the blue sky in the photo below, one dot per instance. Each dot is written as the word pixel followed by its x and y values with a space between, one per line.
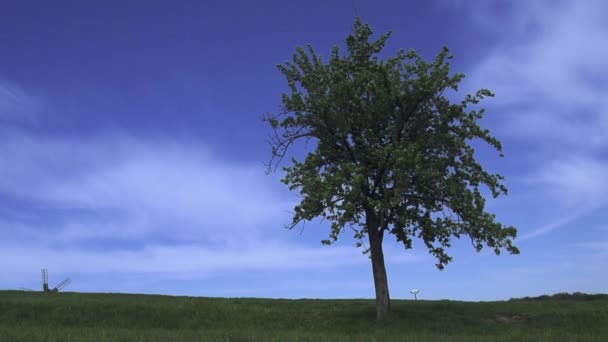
pixel 132 146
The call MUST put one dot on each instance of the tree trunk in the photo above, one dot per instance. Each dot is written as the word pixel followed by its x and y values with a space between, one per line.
pixel 375 234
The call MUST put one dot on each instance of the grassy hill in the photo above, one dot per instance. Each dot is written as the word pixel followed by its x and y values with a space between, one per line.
pixel 36 316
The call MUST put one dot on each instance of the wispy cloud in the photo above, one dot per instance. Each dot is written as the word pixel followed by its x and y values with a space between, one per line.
pixel 181 259
pixel 551 77
pixel 16 105
pixel 149 206
pixel 558 223
pixel 549 70
pixel 186 259
pixel 575 180
pixel 155 184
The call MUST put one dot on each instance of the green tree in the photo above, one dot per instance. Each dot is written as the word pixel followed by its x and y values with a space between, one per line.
pixel 392 153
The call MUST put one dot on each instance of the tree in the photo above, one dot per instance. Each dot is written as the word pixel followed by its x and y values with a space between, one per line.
pixel 392 153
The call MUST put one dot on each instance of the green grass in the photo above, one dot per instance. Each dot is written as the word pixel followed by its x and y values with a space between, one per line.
pixel 35 316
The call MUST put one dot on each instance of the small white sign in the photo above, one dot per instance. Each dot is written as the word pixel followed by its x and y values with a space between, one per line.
pixel 415 292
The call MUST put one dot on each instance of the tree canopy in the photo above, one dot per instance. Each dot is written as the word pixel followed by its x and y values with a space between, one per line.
pixel 392 153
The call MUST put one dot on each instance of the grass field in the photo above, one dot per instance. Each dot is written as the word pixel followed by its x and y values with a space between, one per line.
pixel 36 316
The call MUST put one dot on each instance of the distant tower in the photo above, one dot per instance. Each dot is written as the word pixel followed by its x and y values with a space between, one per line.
pixel 45 280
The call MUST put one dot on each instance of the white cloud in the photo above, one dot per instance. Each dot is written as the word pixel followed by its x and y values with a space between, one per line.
pixel 149 184
pixel 578 180
pixel 520 17
pixel 225 215
pixel 554 71
pixel 178 259
pixel 549 70
pixel 192 259
pixel 558 223
pixel 579 186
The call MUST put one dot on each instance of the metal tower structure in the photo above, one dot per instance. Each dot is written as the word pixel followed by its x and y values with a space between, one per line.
pixel 45 282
